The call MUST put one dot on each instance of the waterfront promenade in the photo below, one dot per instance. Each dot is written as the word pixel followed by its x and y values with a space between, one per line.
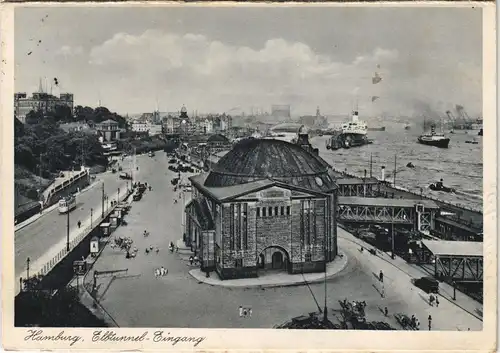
pixel 139 299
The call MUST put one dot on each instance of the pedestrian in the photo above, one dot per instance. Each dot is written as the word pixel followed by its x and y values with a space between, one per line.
pixel 176 248
pixel 431 300
pixel 386 312
pixel 437 302
pixel 413 321
pixel 383 290
pixel 191 259
pixel 157 251
pixel 430 322
pixel 381 276
pixel 196 259
pixel 241 311
pixel 79 224
pixel 250 312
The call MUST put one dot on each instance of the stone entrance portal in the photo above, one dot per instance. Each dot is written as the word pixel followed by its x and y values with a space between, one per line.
pixel 273 258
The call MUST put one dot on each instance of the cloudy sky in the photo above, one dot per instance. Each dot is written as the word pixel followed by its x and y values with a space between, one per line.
pixel 231 59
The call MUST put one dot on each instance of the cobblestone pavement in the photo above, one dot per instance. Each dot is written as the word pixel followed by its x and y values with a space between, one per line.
pixel 138 299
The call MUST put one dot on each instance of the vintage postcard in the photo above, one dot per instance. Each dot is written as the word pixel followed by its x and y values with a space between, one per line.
pixel 249 176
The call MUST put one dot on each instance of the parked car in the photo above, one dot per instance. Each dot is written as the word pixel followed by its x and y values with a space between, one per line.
pixel 427 284
pixel 137 196
pixel 125 176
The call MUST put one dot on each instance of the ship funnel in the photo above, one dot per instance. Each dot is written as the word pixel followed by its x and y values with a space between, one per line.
pixel 383 173
pixel 354 116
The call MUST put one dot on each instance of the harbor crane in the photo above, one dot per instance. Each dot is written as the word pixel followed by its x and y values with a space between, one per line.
pixel 450 116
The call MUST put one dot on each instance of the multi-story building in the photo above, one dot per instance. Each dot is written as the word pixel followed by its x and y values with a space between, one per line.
pixel 214 123
pixel 155 129
pixel 266 205
pixel 140 126
pixel 39 102
pixel 171 124
pixel 281 111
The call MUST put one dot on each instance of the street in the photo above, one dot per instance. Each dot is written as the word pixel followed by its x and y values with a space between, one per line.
pixel 139 299
pixel 35 239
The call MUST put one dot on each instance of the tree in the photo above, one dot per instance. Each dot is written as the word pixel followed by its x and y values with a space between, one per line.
pixel 34 117
pixel 62 113
pixel 18 128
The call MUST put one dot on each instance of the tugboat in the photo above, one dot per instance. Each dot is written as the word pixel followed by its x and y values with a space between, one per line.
pixel 434 139
pixel 407 126
pixel 438 186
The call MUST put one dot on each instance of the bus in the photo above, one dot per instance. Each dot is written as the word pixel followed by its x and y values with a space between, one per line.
pixel 66 204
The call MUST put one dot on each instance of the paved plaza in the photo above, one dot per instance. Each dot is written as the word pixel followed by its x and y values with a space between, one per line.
pixel 139 299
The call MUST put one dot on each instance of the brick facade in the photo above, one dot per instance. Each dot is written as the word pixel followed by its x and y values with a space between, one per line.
pixel 273 235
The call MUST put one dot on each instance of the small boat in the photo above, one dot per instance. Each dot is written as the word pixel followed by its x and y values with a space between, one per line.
pixel 382 128
pixel 410 165
pixel 480 133
pixel 407 127
pixel 438 186
pixel 473 142
pixel 434 139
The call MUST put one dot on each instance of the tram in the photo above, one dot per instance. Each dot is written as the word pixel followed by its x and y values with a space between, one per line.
pixel 66 204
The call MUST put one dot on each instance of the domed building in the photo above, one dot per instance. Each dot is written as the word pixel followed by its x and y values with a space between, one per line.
pixel 266 205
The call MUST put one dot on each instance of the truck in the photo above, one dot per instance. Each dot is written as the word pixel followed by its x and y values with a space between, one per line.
pixel 125 176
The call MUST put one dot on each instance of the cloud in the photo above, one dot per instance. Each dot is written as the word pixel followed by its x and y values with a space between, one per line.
pixel 67 50
pixel 212 75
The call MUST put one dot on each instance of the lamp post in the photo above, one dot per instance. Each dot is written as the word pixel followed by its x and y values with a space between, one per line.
pixel 28 268
pixel 118 197
pixel 67 231
pixel 91 214
pixel 325 242
pixel 392 235
pixel 102 201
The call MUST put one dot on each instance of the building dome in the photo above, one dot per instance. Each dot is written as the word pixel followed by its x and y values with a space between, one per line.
pixel 218 138
pixel 256 159
pixel 183 109
pixel 286 127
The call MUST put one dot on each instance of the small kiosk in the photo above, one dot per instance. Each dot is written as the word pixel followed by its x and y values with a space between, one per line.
pixel 94 246
pixel 113 220
pixel 105 229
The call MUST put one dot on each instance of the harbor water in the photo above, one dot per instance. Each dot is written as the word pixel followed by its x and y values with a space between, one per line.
pixel 460 166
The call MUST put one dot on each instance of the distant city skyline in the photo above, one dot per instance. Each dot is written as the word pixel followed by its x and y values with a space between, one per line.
pixel 232 59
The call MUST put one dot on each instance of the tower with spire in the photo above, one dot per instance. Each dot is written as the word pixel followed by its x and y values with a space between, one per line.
pixel 40 86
